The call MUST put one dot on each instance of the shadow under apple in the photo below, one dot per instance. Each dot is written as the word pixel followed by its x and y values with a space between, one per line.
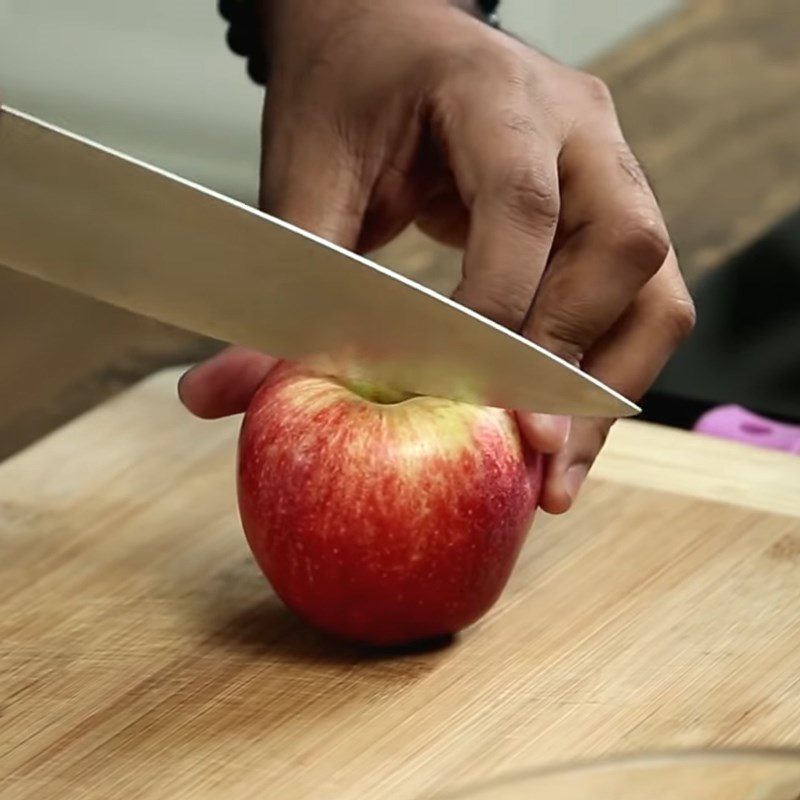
pixel 267 627
pixel 238 613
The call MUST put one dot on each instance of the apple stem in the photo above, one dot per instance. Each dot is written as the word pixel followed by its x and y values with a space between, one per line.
pixel 383 395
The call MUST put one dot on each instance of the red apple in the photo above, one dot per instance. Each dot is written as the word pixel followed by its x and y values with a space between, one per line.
pixel 381 518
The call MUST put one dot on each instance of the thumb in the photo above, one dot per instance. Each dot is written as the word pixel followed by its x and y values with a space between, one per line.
pixel 310 176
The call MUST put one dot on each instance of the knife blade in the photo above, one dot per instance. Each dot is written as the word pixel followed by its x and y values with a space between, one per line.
pixel 80 215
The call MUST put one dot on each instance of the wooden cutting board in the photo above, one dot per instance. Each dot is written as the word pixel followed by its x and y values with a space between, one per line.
pixel 142 655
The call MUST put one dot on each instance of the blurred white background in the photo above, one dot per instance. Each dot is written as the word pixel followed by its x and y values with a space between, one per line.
pixel 156 80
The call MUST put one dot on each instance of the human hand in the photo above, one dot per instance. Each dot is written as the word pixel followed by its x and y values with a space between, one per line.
pixel 385 113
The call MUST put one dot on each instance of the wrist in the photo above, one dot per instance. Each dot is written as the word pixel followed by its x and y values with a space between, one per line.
pixel 258 29
pixel 282 20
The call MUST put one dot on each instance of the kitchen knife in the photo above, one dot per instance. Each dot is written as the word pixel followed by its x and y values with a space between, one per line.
pixel 90 219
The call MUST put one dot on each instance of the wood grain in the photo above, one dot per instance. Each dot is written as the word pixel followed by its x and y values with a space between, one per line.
pixel 709 99
pixel 61 353
pixel 682 462
pixel 142 656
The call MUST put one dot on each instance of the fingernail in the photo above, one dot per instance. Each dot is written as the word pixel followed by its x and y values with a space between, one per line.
pixel 574 479
pixel 182 378
pixel 180 381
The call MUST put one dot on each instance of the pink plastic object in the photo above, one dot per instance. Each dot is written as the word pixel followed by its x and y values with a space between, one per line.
pixel 741 425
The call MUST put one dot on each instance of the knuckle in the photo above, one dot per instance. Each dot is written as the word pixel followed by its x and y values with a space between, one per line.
pixel 674 316
pixel 497 300
pixel 679 318
pixel 643 243
pixel 568 332
pixel 530 191
pixel 597 91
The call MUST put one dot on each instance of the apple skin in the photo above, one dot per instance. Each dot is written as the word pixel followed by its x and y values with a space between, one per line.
pixel 382 523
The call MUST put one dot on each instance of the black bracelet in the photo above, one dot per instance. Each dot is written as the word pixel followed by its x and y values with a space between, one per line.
pixel 243 32
pixel 243 36
pixel 489 9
